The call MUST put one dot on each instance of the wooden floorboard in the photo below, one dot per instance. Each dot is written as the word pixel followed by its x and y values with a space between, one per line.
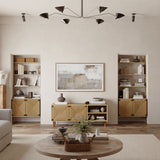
pixel 127 128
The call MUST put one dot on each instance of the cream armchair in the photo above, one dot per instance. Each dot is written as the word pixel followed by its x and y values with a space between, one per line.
pixel 5 128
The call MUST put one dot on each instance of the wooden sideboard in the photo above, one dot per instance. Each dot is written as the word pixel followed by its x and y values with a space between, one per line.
pixel 77 111
pixel 25 107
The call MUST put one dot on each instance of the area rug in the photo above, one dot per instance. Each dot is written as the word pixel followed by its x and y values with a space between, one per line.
pixel 135 147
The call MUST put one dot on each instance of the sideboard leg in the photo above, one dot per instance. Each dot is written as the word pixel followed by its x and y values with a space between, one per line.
pixel 105 124
pixel 54 124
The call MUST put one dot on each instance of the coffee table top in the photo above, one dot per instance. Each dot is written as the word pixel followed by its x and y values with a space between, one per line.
pixel 49 148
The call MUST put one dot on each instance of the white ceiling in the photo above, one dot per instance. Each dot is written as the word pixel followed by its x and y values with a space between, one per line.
pixel 35 7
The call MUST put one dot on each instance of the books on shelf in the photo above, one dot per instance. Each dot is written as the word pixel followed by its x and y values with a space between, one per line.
pixel 20 69
pixel 124 60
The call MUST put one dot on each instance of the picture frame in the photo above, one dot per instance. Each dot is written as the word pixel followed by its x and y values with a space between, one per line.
pixel 79 77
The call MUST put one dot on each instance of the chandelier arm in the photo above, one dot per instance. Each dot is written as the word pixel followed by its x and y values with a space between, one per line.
pixel 97 15
pixel 73 12
pixel 91 11
pixel 64 15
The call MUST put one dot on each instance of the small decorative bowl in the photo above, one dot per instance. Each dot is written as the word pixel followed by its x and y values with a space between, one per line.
pixel 62 129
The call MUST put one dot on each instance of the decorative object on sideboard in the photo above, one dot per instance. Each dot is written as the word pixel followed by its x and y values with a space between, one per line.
pixel 124 60
pixel 62 130
pixel 61 98
pixel 87 102
pixel 19 93
pixel 98 100
pixel 102 109
pixel 3 77
pixel 24 81
pixel 136 59
pixel 30 94
pixel 140 69
pixel 126 93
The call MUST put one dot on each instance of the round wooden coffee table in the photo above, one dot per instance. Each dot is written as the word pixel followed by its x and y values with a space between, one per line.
pixel 49 148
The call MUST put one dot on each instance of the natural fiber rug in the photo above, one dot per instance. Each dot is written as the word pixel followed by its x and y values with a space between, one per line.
pixel 135 147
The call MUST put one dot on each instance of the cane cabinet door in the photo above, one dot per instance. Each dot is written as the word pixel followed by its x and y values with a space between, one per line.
pixel 78 112
pixel 60 113
pixel 18 107
pixel 33 107
pixel 125 107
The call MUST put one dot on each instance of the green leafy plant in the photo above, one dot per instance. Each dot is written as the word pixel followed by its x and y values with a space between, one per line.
pixel 83 126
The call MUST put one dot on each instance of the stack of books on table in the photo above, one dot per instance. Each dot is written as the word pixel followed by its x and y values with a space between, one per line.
pixel 100 138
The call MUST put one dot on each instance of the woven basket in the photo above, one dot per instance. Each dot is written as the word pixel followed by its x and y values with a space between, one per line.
pixel 77 147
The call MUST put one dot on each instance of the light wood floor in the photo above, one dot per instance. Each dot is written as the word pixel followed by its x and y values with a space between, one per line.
pixel 130 128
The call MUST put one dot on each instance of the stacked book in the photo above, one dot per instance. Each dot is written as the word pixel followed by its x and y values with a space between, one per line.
pixel 124 60
pixel 100 118
pixel 137 96
pixel 97 100
pixel 125 83
pixel 20 69
pixel 100 138
pixel 139 84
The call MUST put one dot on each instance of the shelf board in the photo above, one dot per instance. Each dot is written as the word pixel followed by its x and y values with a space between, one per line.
pixel 132 74
pixel 25 86
pixel 131 62
pixel 131 99
pixel 26 74
pixel 98 120
pixel 27 62
pixel 132 86
pixel 97 112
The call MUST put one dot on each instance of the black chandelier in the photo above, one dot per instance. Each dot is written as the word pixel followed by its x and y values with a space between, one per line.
pixel 101 12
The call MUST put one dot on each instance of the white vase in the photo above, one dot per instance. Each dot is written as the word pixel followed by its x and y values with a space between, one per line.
pixel 83 138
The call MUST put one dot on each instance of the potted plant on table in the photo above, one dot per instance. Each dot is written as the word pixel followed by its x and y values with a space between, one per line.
pixel 83 127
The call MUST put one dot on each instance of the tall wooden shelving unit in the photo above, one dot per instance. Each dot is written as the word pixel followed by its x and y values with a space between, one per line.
pixel 135 105
pixel 25 106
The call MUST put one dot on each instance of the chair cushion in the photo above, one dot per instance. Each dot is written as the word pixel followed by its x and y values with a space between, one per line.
pixel 5 128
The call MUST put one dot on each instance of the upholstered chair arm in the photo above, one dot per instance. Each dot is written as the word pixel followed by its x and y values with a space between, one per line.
pixel 6 114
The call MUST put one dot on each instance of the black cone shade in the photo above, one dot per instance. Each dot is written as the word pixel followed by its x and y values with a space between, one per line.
pixel 119 15
pixel 23 17
pixel 44 15
pixel 66 21
pixel 133 17
pixel 99 21
pixel 102 8
pixel 60 8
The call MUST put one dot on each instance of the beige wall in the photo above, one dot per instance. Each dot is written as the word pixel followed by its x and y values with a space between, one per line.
pixel 84 41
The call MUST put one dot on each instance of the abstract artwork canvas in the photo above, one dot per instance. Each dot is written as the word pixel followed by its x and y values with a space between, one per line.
pixel 79 77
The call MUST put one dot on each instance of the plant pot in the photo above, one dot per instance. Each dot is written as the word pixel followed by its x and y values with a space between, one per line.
pixel 83 138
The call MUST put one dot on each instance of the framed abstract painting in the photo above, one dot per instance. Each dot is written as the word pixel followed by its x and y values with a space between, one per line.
pixel 79 77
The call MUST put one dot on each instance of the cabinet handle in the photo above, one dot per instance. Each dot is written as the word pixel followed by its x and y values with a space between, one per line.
pixel 69 119
pixel 69 106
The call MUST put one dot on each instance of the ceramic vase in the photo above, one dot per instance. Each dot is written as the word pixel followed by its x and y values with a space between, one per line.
pixel 61 98
pixel 83 138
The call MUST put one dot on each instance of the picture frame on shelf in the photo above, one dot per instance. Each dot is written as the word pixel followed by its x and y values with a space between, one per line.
pixel 79 77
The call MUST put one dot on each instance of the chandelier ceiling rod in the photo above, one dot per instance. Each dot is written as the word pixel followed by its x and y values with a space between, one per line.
pixel 81 8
